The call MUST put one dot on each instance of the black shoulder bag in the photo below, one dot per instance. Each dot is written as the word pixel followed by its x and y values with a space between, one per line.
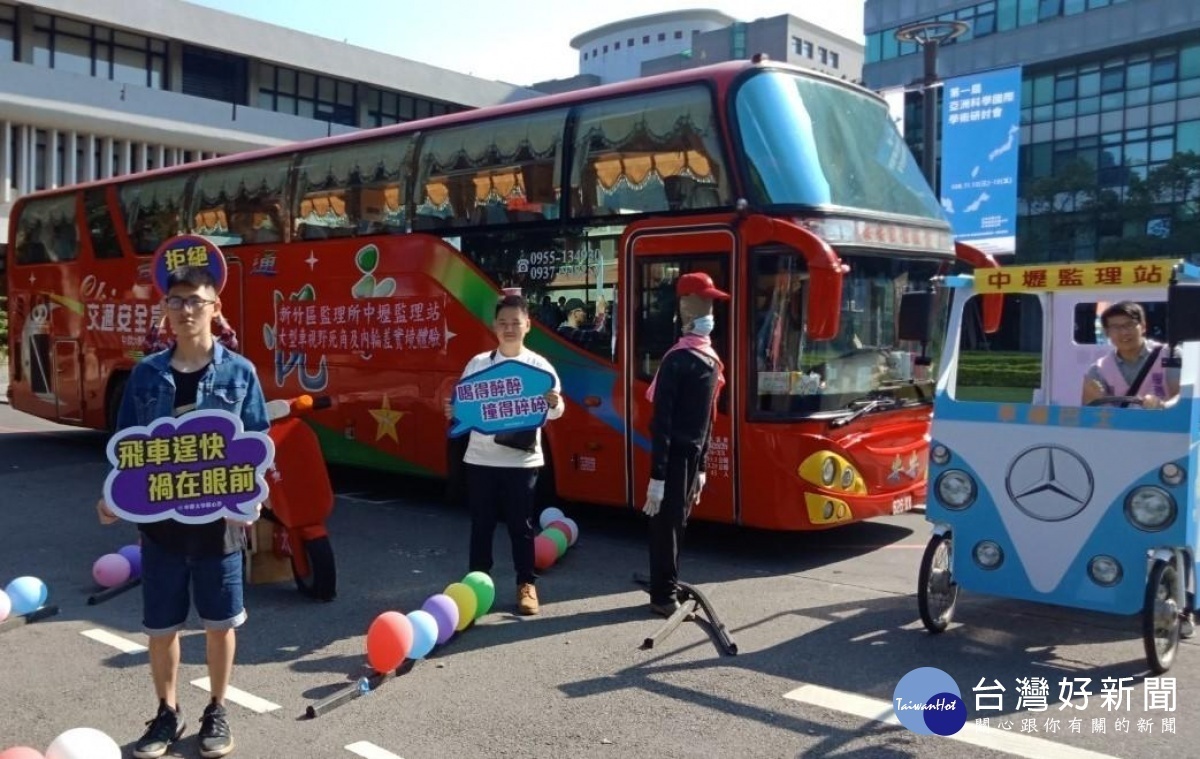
pixel 1136 385
pixel 522 440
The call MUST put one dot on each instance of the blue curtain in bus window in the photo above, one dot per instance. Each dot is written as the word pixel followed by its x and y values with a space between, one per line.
pixel 787 161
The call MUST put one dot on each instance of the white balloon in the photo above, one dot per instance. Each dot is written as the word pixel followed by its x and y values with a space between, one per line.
pixel 574 529
pixel 552 514
pixel 83 743
pixel 5 606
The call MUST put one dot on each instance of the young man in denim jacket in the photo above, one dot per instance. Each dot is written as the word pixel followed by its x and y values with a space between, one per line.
pixel 197 373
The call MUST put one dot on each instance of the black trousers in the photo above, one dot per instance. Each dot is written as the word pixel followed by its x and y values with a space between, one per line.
pixel 667 526
pixel 502 493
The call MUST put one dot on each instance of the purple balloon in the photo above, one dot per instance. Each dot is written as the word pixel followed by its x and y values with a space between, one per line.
pixel 133 554
pixel 445 613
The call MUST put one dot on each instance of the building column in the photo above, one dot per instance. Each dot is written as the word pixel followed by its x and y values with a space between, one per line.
pixel 176 156
pixel 160 156
pixel 52 159
pixel 28 141
pixel 6 161
pixel 106 158
pixel 89 159
pixel 143 151
pixel 71 168
pixel 126 157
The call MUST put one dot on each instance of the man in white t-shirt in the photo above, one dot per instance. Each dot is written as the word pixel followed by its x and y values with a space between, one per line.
pixel 501 479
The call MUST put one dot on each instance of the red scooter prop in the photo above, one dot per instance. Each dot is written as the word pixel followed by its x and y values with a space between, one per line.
pixel 301 497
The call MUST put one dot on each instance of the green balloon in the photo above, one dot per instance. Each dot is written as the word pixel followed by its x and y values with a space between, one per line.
pixel 561 541
pixel 483 588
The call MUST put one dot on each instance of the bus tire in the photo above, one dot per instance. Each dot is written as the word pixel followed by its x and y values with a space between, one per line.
pixel 112 400
pixel 321 581
pixel 1161 621
pixel 937 594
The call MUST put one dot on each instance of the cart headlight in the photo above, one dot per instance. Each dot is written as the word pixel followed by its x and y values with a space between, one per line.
pixel 940 455
pixel 1171 474
pixel 828 471
pixel 1150 508
pixel 956 489
pixel 1104 570
pixel 829 509
pixel 988 554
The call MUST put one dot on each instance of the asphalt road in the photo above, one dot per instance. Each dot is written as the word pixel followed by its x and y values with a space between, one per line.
pixel 826 625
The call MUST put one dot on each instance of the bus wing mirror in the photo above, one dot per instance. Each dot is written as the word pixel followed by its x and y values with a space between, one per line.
pixel 993 307
pixel 1183 316
pixel 915 308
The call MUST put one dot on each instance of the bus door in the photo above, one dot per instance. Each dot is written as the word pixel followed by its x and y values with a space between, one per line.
pixel 655 254
pixel 68 381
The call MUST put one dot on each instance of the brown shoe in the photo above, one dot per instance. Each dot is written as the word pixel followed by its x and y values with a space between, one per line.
pixel 527 600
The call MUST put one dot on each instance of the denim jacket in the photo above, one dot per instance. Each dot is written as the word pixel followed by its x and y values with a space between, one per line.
pixel 229 384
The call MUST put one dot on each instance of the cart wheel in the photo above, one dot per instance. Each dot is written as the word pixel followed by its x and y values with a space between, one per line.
pixel 1161 621
pixel 321 581
pixel 937 592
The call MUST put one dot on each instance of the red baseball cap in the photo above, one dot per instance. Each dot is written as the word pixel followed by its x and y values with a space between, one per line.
pixel 699 283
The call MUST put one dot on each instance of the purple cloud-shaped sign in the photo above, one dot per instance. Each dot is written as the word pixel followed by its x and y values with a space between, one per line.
pixel 200 467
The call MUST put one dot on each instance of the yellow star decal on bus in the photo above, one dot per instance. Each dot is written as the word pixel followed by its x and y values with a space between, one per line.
pixel 386 419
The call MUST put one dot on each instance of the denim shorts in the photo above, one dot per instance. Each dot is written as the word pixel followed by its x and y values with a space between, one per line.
pixel 216 588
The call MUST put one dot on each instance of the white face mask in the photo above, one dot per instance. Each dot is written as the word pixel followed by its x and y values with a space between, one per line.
pixel 703 325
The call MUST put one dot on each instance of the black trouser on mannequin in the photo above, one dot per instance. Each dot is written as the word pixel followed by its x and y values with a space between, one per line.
pixel 495 493
pixel 667 526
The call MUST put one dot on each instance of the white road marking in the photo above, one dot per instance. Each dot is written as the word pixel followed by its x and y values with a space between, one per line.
pixel 116 641
pixel 240 697
pixel 369 750
pixel 1017 744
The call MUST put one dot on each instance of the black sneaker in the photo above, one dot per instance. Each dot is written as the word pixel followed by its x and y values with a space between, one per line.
pixel 162 731
pixel 215 738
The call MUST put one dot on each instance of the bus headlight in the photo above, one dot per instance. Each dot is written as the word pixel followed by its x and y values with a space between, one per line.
pixel 1171 474
pixel 956 489
pixel 988 554
pixel 828 471
pixel 847 478
pixel 1150 508
pixel 940 455
pixel 1104 570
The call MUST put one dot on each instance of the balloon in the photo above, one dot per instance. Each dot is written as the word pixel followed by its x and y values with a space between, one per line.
pixel 443 609
pixel 464 599
pixel 551 514
pixel 27 594
pixel 111 569
pixel 562 526
pixel 389 639
pixel 560 539
pixel 83 743
pixel 425 633
pixel 574 534
pixel 133 554
pixel 21 752
pixel 5 608
pixel 484 589
pixel 545 552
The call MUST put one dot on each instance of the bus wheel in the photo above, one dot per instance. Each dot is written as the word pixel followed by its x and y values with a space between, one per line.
pixel 1161 620
pixel 937 593
pixel 321 580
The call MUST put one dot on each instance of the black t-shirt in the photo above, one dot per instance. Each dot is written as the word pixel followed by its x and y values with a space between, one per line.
pixel 212 538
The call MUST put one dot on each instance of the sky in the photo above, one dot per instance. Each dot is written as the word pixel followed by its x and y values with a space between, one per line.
pixel 520 42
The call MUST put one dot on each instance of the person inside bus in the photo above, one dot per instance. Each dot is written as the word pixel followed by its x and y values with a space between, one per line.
pixel 502 470
pixel 576 329
pixel 684 393
pixel 177 558
pixel 1134 367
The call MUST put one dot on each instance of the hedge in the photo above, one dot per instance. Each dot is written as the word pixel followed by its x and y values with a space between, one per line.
pixel 988 369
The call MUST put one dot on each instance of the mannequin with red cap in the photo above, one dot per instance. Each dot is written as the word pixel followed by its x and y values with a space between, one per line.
pixel 684 393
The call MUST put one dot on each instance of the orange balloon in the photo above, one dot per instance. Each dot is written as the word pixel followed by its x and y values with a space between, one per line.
pixel 21 752
pixel 389 639
pixel 545 553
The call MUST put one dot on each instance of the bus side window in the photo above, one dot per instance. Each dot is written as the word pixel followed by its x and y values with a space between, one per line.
pixel 241 205
pixel 153 211
pixel 648 154
pixel 100 224
pixel 46 231
pixel 358 189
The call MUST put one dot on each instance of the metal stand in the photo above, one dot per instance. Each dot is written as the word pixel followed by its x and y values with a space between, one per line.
pixel 113 592
pixel 691 599
pixel 26 619
pixel 355 690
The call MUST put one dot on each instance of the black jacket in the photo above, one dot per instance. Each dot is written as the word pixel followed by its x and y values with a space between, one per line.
pixel 683 409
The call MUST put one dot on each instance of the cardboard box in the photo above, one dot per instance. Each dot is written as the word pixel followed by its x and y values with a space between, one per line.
pixel 263 565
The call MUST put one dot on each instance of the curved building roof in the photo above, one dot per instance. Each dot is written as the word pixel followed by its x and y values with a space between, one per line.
pixel 617 27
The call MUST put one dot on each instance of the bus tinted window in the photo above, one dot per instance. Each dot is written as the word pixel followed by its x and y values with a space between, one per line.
pixel 240 205
pixel 648 153
pixel 46 231
pixel 495 173
pixel 358 189
pixel 100 225
pixel 153 211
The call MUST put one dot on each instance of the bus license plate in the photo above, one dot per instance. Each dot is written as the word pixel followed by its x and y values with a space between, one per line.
pixel 902 504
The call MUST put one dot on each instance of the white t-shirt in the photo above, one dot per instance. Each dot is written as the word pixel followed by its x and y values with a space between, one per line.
pixel 482 450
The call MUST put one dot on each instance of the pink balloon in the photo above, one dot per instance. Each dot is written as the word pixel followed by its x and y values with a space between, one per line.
pixel 21 752
pixel 110 570
pixel 5 608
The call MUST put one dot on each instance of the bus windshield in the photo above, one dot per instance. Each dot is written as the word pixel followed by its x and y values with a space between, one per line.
pixel 813 143
pixel 796 377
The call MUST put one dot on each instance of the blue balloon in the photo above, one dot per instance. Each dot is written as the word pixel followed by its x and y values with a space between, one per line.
pixel 27 594
pixel 425 633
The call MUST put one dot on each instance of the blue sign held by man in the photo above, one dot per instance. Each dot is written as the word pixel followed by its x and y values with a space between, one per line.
pixel 505 397
pixel 981 125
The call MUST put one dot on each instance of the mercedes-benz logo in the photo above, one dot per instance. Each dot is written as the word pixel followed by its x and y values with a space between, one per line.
pixel 1049 482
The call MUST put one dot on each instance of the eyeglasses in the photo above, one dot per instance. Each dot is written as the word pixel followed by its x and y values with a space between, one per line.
pixel 194 302
pixel 1123 326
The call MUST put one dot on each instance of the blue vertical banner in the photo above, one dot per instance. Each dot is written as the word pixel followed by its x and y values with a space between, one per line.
pixel 981 132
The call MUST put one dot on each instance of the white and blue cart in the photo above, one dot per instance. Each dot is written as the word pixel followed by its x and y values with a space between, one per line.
pixel 1089 507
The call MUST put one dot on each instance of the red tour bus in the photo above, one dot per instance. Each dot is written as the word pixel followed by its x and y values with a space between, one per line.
pixel 366 267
